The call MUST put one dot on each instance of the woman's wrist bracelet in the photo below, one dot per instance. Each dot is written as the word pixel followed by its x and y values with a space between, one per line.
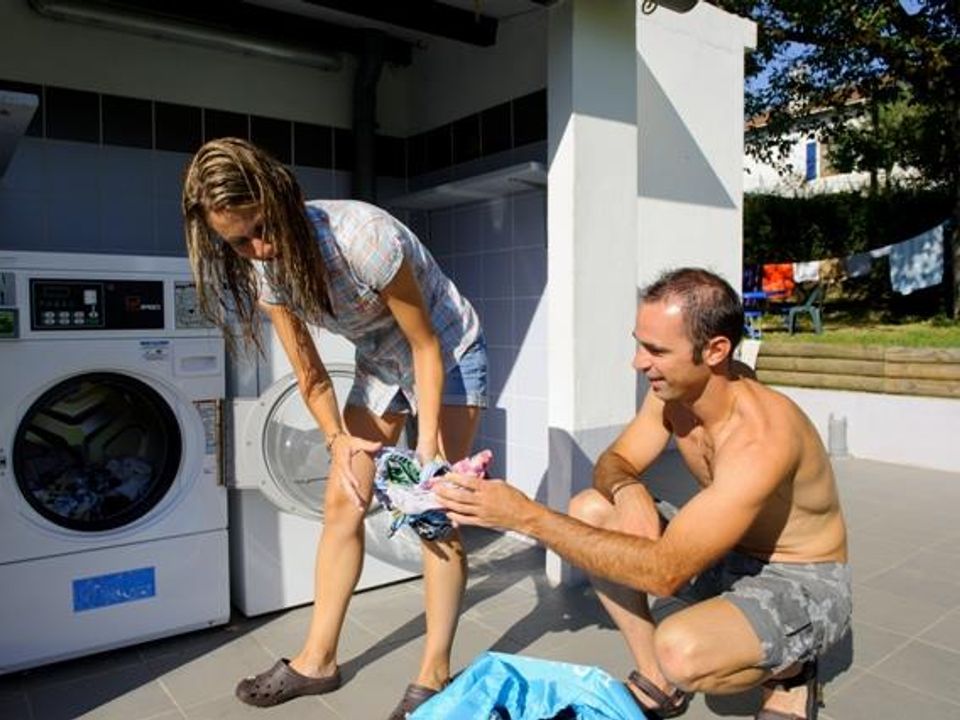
pixel 331 438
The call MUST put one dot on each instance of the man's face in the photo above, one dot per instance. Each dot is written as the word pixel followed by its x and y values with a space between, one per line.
pixel 665 353
pixel 242 229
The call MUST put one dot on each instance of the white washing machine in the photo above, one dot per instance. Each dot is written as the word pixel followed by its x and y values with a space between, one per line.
pixel 277 475
pixel 113 517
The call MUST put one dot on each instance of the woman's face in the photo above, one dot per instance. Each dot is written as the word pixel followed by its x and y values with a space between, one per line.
pixel 242 229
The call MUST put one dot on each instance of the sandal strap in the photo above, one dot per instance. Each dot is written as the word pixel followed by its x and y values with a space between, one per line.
pixel 666 704
pixel 808 672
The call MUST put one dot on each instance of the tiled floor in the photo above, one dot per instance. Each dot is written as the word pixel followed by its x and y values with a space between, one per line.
pixel 902 661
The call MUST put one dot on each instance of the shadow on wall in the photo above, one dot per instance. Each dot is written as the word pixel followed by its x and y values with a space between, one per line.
pixel 672 166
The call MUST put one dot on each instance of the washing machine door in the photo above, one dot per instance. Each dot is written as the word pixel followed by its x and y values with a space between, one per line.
pixel 298 466
pixel 97 451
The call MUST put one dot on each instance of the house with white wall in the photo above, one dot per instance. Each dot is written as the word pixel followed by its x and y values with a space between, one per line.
pixel 806 168
pixel 609 143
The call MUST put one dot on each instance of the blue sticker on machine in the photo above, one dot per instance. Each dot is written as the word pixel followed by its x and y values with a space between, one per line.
pixel 112 589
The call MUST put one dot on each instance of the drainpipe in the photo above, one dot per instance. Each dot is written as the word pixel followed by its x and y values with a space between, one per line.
pixel 369 65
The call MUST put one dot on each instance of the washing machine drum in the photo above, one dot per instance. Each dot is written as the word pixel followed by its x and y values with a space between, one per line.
pixel 97 451
pixel 298 465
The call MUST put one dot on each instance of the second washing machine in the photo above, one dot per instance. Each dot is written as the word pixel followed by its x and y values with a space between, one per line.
pixel 277 477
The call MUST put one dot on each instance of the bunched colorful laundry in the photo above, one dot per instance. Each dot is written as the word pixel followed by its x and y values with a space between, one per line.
pixel 405 488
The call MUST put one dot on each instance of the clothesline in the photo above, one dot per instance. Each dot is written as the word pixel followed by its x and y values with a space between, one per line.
pixel 915 264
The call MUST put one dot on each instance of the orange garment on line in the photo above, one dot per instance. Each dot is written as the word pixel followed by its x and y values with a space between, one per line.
pixel 778 278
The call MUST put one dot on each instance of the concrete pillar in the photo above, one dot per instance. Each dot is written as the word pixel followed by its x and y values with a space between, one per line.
pixel 592 246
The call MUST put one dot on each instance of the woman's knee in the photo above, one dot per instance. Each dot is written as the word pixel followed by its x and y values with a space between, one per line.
pixel 590 507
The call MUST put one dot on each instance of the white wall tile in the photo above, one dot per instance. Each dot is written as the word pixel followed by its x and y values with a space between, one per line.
pixel 73 223
pixel 497 269
pixel 468 270
pixel 440 239
pixel 22 220
pixel 529 271
pixel 530 323
pixel 467 225
pixel 529 220
pixel 71 167
pixel 316 183
pixel 27 169
pixel 498 322
pixel 496 231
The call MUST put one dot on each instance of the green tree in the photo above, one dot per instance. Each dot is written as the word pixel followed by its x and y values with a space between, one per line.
pixel 901 56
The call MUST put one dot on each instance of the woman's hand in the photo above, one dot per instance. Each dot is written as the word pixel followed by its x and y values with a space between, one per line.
pixel 342 449
pixel 427 450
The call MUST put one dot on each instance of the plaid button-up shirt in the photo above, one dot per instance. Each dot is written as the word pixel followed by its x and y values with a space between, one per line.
pixel 363 247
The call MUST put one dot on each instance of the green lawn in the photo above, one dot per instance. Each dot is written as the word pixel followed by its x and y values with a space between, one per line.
pixel 844 331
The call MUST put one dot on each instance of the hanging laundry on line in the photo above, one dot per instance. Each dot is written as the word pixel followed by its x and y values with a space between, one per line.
pixel 917 263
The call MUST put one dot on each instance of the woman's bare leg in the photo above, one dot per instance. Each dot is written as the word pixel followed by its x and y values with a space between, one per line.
pixel 445 563
pixel 340 551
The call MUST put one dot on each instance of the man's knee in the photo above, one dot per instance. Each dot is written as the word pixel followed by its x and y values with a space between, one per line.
pixel 590 507
pixel 678 652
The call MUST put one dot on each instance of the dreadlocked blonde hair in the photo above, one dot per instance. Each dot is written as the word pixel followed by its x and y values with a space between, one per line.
pixel 229 173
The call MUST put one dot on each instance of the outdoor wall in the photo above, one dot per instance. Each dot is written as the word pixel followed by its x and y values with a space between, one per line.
pixel 889 428
pixel 690 121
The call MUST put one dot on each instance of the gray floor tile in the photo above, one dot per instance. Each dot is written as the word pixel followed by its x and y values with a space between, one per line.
pixel 872 552
pixel 284 635
pixel 871 698
pixel 372 690
pixel 873 644
pixel 930 576
pixel 126 694
pixel 925 668
pixel 945 633
pixel 229 708
pixel 192 680
pixel 80 668
pixel 894 612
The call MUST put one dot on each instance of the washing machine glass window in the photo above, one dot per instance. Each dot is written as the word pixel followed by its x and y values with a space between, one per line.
pixel 294 450
pixel 97 451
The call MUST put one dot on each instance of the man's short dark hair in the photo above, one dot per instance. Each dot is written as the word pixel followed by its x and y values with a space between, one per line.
pixel 710 306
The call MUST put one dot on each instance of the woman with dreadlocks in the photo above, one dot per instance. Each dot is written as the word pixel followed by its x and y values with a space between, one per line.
pixel 255 244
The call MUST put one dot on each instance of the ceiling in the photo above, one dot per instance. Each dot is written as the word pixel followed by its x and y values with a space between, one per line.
pixel 470 21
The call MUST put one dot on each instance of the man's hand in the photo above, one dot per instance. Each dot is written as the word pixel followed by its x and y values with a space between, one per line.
pixel 486 503
pixel 342 450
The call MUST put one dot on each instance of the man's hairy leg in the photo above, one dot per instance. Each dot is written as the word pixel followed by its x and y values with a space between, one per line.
pixel 711 647
pixel 628 608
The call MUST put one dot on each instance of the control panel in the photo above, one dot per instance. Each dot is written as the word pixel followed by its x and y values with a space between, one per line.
pixel 57 304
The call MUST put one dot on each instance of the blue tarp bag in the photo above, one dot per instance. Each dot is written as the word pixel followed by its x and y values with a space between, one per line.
pixel 497 686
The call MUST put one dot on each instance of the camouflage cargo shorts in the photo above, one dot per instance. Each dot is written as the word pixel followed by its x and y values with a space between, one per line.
pixel 797 610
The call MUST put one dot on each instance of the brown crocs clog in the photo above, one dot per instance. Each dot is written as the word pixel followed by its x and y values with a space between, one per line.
pixel 281 683
pixel 413 697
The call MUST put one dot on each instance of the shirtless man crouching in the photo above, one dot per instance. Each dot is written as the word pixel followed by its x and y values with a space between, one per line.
pixel 758 555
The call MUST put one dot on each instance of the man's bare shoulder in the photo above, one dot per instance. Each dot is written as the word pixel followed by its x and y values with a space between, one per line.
pixel 767 423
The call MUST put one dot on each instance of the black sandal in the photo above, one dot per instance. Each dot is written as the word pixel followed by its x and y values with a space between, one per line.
pixel 667 706
pixel 807 676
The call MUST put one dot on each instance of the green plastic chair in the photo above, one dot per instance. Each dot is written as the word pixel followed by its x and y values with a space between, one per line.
pixel 811 306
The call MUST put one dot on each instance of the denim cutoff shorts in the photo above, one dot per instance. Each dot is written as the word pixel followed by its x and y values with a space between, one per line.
pixel 464 384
